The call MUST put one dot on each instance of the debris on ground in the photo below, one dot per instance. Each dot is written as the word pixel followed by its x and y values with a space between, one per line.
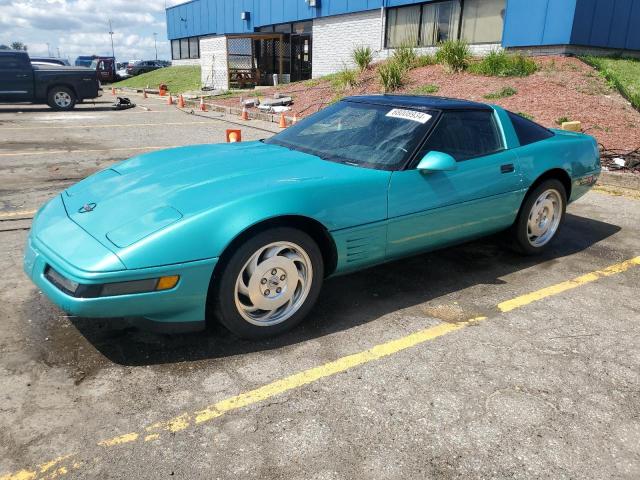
pixel 123 103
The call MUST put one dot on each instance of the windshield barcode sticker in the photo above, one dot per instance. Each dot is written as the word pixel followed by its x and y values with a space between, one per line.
pixel 419 117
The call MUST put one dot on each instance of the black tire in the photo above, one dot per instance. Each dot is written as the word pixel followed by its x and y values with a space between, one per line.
pixel 62 98
pixel 521 241
pixel 222 298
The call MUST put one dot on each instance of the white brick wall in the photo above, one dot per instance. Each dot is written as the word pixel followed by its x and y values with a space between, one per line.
pixel 185 62
pixel 213 60
pixel 335 38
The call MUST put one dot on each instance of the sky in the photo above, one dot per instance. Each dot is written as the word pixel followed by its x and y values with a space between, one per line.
pixel 80 27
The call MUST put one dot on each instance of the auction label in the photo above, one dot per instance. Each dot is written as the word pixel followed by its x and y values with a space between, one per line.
pixel 412 115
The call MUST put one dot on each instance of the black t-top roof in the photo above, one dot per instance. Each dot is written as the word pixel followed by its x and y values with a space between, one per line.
pixel 421 102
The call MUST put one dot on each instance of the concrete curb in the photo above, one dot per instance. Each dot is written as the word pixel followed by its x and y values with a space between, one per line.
pixel 618 179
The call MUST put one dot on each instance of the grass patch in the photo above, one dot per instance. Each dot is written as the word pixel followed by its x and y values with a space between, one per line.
pixel 622 74
pixel 404 57
pixel 525 115
pixel 562 120
pixel 363 57
pixel 454 55
pixel 178 79
pixel 424 61
pixel 504 93
pixel 391 76
pixel 426 89
pixel 498 63
pixel 345 78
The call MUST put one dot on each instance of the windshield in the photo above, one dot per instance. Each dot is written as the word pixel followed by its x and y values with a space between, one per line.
pixel 362 134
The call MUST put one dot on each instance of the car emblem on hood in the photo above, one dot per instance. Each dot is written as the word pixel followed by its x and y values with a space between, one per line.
pixel 87 207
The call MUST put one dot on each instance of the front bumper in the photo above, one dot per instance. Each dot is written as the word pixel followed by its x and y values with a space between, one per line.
pixel 184 303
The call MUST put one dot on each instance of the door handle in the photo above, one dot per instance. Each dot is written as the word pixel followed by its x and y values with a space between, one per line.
pixel 507 168
pixel 23 75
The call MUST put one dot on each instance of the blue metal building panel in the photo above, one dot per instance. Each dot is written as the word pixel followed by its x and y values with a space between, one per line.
pixel 542 22
pixel 207 17
pixel 607 24
pixel 597 23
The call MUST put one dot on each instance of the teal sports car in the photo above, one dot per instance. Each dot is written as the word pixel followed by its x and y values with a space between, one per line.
pixel 246 232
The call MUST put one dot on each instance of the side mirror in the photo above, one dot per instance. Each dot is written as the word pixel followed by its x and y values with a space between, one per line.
pixel 437 162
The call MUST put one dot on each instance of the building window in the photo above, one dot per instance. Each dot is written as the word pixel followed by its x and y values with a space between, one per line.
pixel 483 20
pixel 175 49
pixel 185 48
pixel 423 25
pixel 402 26
pixel 439 22
pixel 194 47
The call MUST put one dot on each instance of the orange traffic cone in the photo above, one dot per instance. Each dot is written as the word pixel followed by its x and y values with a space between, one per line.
pixel 113 91
pixel 283 121
pixel 144 93
pixel 294 120
pixel 170 100
pixel 245 114
pixel 180 101
pixel 203 106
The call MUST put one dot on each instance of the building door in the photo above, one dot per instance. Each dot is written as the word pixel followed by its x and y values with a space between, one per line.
pixel 300 57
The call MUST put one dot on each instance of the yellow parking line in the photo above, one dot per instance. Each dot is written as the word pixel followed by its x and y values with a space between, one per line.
pixel 297 380
pixel 523 300
pixel 18 213
pixel 113 125
pixel 96 150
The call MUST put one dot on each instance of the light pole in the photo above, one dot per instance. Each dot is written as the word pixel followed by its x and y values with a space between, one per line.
pixel 113 52
pixel 155 43
pixel 48 50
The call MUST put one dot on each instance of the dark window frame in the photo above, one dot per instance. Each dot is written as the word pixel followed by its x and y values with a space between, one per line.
pixel 422 4
pixel 188 49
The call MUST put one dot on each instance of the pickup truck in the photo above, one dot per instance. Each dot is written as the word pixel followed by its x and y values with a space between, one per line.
pixel 59 87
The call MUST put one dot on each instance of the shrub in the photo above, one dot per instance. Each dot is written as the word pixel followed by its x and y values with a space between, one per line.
pixel 525 115
pixel 391 76
pixel 405 57
pixel 426 89
pixel 345 78
pixel 504 93
pixel 498 63
pixel 561 120
pixel 454 55
pixel 424 60
pixel 362 56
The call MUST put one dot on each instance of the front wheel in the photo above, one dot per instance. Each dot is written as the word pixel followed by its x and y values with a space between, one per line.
pixel 540 217
pixel 269 284
pixel 61 98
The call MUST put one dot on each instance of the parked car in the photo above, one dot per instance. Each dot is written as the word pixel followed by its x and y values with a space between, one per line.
pixel 144 66
pixel 50 60
pixel 60 87
pixel 246 232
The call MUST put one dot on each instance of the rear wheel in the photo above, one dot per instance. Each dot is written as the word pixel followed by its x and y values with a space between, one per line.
pixel 61 98
pixel 540 217
pixel 269 284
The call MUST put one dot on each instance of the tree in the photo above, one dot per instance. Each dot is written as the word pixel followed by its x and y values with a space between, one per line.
pixel 19 46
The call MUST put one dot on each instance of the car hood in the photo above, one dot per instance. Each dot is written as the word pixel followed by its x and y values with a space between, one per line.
pixel 142 195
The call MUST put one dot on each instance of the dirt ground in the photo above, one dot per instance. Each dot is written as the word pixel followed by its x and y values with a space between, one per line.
pixel 562 87
pixel 468 363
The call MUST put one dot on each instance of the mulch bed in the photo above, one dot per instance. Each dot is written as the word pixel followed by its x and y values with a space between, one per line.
pixel 563 87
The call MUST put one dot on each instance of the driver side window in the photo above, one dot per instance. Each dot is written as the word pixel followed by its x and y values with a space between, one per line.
pixel 464 135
